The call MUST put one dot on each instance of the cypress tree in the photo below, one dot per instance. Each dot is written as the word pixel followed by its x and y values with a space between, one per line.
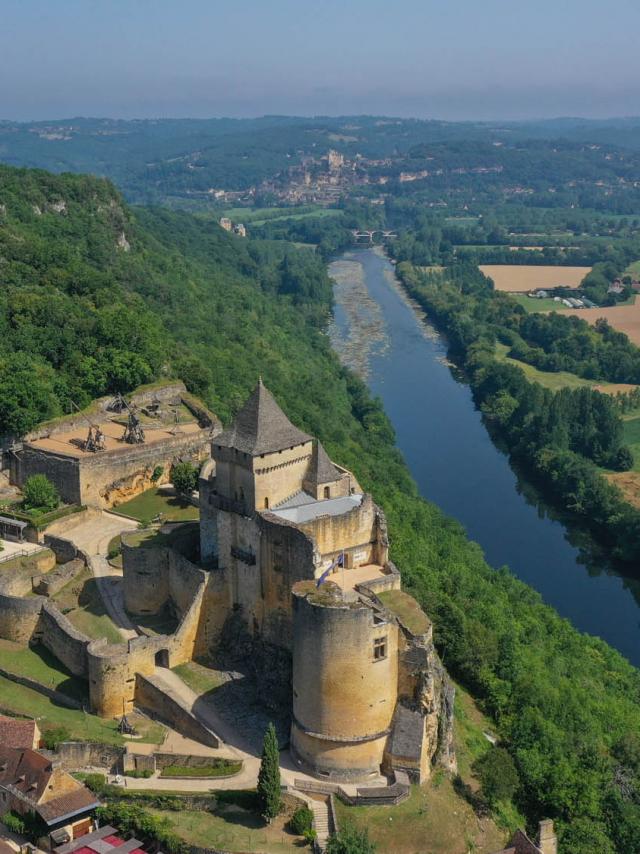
pixel 269 775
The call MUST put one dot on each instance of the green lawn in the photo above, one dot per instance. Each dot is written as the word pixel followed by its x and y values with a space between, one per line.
pixel 199 678
pixel 39 664
pixel 80 725
pixel 153 502
pixel 532 305
pixel 232 828
pixel 81 603
pixel 220 769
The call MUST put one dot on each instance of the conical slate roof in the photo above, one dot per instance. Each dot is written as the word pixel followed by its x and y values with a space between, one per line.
pixel 321 469
pixel 261 427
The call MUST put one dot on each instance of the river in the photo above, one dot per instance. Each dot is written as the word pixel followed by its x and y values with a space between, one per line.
pixel 387 340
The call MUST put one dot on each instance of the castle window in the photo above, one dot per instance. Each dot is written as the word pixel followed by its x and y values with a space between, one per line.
pixel 379 649
pixel 266 504
pixel 327 492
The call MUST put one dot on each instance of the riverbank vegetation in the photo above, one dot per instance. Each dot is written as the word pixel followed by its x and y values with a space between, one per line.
pixel 223 311
pixel 562 437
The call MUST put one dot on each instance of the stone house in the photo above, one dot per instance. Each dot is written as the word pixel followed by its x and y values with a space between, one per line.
pixel 31 783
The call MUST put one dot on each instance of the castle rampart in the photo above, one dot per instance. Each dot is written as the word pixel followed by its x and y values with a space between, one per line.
pixel 60 637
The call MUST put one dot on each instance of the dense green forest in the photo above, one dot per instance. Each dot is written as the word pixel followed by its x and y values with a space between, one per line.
pixel 181 297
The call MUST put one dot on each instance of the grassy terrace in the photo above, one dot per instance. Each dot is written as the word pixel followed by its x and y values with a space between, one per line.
pixel 233 827
pixel 154 502
pixel 26 565
pixel 218 768
pixel 199 678
pixel 406 610
pixel 81 726
pixel 80 601
pixel 39 664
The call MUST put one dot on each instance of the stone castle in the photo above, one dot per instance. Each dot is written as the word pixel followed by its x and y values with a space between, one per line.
pixel 294 560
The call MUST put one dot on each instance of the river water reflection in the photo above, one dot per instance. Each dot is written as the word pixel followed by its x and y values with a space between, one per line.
pixel 454 462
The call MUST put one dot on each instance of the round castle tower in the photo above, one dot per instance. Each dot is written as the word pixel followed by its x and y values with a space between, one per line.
pixel 345 674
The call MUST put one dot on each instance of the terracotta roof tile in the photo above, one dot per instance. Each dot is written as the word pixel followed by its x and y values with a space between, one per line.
pixel 79 800
pixel 16 732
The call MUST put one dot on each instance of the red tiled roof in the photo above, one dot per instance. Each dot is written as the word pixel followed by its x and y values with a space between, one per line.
pixel 29 773
pixel 16 732
pixel 77 801
pixel 25 770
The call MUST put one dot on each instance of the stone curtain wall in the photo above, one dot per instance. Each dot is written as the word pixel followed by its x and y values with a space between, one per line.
pixel 62 639
pixel 113 475
pixel 62 471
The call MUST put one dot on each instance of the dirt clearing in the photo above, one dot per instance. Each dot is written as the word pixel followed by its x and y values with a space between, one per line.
pixel 520 278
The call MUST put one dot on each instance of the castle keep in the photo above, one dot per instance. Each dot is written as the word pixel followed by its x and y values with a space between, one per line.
pixel 295 553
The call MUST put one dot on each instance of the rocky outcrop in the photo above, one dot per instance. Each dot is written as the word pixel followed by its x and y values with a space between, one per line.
pixel 422 733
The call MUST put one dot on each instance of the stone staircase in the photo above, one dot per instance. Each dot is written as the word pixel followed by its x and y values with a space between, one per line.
pixel 320 823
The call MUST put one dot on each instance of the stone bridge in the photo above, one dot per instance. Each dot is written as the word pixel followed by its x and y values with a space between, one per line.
pixel 368 235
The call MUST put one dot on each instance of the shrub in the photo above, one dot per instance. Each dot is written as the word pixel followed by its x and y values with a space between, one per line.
pixel 14 823
pixel 184 477
pixel 350 840
pixel 301 821
pixel 51 738
pixel 498 775
pixel 39 492
pixel 139 775
pixel 157 473
pixel 97 783
pixel 29 825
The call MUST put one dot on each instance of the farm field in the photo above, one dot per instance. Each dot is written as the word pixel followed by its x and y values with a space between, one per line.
pixel 624 318
pixel 260 216
pixel 514 278
pixel 559 379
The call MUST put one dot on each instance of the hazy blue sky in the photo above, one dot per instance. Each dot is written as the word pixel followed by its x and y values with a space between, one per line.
pixel 426 58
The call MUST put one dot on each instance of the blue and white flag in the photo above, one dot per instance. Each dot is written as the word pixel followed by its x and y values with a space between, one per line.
pixel 339 561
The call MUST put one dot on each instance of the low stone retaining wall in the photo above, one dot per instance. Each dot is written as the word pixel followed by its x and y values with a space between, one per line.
pixel 50 583
pixel 63 549
pixel 84 754
pixel 57 696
